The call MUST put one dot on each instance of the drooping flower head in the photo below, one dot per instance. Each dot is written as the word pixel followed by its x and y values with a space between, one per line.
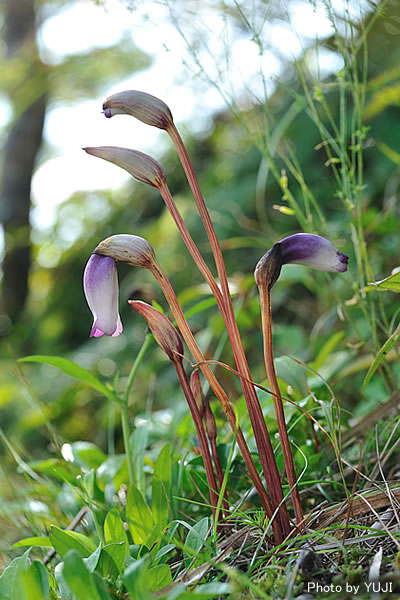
pixel 141 166
pixel 132 249
pixel 142 106
pixel 100 283
pixel 306 249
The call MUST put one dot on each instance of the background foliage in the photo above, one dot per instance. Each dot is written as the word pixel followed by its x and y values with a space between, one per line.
pixel 256 162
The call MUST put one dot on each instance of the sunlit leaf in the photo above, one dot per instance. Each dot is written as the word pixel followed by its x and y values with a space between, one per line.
pixel 43 542
pixel 74 370
pixel 138 516
pixel 391 283
pixel 62 541
pixel 388 345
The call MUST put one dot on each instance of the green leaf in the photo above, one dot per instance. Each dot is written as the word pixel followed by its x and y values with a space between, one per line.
pixel 327 350
pixel 387 346
pixel 91 561
pixel 158 576
pixel 108 469
pixel 114 530
pixel 138 516
pixel 65 592
pixel 63 541
pixel 112 560
pixel 391 283
pixel 43 542
pixel 74 370
pixel 196 537
pixel 137 444
pixel 161 484
pixel 36 582
pixel 87 454
pixel 293 374
pixel 11 580
pixel 78 578
pixel 135 579
pixel 200 307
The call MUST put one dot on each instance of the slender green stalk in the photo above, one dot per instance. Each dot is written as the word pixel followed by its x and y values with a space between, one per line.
pixel 126 435
pixel 124 405
pixel 131 377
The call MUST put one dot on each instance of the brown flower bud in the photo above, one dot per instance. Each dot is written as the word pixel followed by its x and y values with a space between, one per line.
pixel 164 332
pixel 209 420
pixel 131 249
pixel 197 391
pixel 141 166
pixel 142 106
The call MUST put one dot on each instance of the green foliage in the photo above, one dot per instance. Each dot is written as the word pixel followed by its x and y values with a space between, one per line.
pixel 317 155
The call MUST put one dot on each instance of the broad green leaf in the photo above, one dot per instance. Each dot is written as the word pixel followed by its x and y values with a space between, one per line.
pixel 138 516
pixel 114 530
pixel 11 580
pixel 92 560
pixel 158 576
pixel 78 578
pixel 391 283
pixel 112 560
pixel 108 469
pixel 293 374
pixel 327 350
pixel 196 537
pixel 200 307
pixel 164 550
pixel 387 346
pixel 62 541
pixel 87 454
pixel 74 370
pixel 36 582
pixel 56 468
pixel 43 542
pixel 65 592
pixel 161 484
pixel 135 579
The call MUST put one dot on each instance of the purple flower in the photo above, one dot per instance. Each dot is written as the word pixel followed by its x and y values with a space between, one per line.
pixel 312 251
pixel 302 248
pixel 100 283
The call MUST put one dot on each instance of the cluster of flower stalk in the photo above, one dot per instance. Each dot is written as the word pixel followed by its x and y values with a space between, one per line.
pixel 101 289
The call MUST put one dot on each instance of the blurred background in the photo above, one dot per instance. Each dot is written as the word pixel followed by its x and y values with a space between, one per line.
pixel 234 76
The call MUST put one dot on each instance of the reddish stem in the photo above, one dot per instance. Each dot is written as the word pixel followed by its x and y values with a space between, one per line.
pixel 261 434
pixel 205 451
pixel 266 319
pixel 185 330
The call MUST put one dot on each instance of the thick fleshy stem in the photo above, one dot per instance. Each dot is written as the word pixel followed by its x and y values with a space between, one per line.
pixel 265 300
pixel 257 419
pixel 205 451
pixel 186 332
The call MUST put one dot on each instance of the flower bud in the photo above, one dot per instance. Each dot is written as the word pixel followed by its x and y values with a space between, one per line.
pixel 306 249
pixel 142 106
pixel 100 283
pixel 164 332
pixel 209 420
pixel 131 249
pixel 197 391
pixel 141 166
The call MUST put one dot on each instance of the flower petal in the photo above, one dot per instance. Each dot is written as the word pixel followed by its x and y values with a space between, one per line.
pixel 100 282
pixel 312 251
